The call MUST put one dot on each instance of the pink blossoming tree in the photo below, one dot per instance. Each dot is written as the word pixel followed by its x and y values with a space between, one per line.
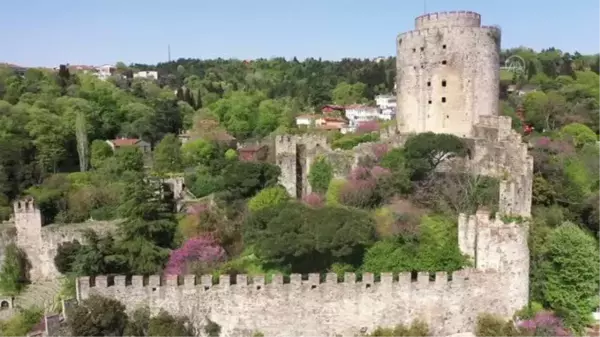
pixel 196 255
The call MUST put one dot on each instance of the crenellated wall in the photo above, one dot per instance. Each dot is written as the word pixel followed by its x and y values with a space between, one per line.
pixel 309 307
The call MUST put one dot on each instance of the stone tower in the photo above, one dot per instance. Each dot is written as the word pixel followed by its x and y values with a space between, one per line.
pixel 447 73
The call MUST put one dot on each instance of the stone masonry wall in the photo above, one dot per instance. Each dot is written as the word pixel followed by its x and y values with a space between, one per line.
pixel 447 74
pixel 309 307
pixel 40 243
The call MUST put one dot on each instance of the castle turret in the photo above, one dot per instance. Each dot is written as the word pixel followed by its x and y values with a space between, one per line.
pixel 447 73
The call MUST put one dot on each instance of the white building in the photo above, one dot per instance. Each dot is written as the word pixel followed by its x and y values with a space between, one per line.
pixel 361 113
pixel 306 120
pixel 387 106
pixel 146 74
pixel 105 71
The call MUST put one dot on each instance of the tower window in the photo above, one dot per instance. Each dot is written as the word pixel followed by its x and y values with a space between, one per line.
pixel 444 62
pixel 444 47
pixel 422 48
pixel 414 50
pixel 422 66
pixel 443 83
pixel 443 99
pixel 428 84
pixel 429 102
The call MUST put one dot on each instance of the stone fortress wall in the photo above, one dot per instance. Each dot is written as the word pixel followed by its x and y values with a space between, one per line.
pixel 312 306
pixel 40 243
pixel 499 279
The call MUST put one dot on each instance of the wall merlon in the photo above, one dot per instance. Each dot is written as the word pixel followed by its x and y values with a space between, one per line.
pixel 101 281
pixel 224 280
pixel 25 205
pixel 136 281
pixel 120 281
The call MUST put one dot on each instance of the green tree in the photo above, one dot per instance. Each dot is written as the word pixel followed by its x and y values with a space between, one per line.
pixel 580 134
pixel 309 239
pixel 148 231
pixel 320 175
pixel 13 275
pixel 571 275
pixel 345 93
pixel 434 248
pixel 100 151
pixel 425 151
pixel 167 155
pixel 98 316
pixel 268 197
pixel 129 158
pixel 231 154
pixel 198 152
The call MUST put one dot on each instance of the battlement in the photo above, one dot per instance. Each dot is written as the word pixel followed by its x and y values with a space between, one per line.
pixel 452 18
pixel 208 282
pixel 456 31
pixel 26 205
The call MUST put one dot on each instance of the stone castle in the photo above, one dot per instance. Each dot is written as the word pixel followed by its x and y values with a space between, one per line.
pixel 448 81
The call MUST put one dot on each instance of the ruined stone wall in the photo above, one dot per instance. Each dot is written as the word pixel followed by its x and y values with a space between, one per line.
pixel 40 243
pixel 295 166
pixel 447 74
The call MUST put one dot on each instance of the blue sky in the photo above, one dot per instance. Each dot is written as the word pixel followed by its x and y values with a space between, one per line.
pixel 50 32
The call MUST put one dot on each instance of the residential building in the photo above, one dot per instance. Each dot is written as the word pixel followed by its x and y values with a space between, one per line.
pixel 387 106
pixel 357 113
pixel 105 71
pixel 115 144
pixel 321 122
pixel 146 74
pixel 332 109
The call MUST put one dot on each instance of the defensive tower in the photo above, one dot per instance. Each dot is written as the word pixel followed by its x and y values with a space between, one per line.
pixel 447 73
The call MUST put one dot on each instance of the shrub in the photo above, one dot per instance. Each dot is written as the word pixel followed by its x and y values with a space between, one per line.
pixel 268 197
pixel 212 329
pixel 98 316
pixel 332 197
pixel 545 323
pixel 367 127
pixel 361 189
pixel 21 323
pixel 417 328
pixel 495 326
pixel 313 200
pixel 66 255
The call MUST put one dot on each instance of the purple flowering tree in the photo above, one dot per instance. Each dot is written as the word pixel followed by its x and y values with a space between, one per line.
pixel 545 323
pixel 197 255
pixel 360 189
pixel 367 127
pixel 380 150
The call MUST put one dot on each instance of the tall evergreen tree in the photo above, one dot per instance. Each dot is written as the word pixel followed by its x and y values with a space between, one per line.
pixel 146 235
